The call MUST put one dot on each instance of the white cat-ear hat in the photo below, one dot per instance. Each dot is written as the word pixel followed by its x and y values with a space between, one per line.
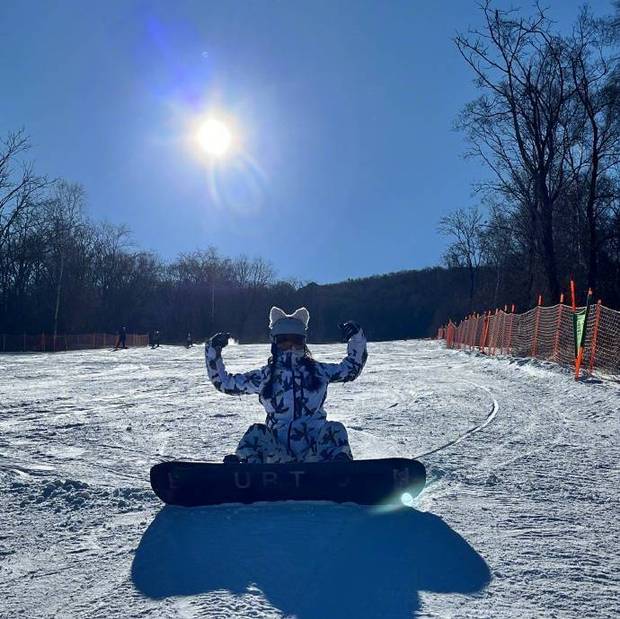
pixel 281 323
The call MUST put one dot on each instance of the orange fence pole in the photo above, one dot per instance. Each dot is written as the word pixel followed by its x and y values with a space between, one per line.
pixel 500 330
pixel 556 343
pixel 578 361
pixel 509 319
pixel 485 331
pixel 573 302
pixel 494 332
pixel 487 335
pixel 467 330
pixel 512 319
pixel 597 320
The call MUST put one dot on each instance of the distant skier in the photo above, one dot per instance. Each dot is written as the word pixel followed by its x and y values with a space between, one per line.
pixel 188 341
pixel 156 339
pixel 121 340
pixel 292 387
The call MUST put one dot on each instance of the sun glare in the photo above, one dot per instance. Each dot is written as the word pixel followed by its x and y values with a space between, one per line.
pixel 214 137
pixel 406 499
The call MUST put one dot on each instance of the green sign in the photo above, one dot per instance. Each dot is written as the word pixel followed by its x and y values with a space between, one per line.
pixel 579 329
pixel 580 323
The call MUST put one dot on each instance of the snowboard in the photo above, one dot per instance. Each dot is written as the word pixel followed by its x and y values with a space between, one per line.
pixel 366 482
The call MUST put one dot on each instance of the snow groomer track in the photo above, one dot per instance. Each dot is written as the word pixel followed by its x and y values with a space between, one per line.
pixel 518 519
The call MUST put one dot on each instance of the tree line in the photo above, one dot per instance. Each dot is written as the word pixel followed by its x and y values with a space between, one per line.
pixel 61 272
pixel 546 126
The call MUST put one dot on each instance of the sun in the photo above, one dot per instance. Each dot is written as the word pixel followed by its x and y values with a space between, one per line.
pixel 214 137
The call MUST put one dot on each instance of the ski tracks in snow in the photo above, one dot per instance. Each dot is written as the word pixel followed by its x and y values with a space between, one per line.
pixel 489 418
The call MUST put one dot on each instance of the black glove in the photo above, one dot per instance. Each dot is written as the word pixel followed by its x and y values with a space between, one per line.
pixel 219 340
pixel 349 329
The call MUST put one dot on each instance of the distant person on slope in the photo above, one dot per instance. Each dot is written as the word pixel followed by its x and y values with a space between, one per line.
pixel 121 341
pixel 292 387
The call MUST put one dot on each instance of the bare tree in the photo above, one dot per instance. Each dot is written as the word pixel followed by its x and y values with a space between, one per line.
pixel 251 276
pixel 595 149
pixel 64 214
pixel 500 242
pixel 465 227
pixel 20 187
pixel 517 126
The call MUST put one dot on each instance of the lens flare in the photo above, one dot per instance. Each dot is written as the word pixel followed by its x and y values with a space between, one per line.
pixel 237 185
pixel 215 137
pixel 406 499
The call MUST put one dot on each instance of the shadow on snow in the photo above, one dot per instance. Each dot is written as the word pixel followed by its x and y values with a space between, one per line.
pixel 310 560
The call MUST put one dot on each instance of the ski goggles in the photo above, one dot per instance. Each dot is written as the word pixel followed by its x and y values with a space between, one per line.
pixel 290 340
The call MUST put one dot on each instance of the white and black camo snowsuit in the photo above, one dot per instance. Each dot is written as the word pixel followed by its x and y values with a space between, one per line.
pixel 296 428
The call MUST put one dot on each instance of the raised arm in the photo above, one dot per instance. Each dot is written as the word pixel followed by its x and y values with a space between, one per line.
pixel 351 366
pixel 232 384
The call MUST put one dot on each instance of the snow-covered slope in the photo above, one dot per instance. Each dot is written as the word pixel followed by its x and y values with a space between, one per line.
pixel 519 518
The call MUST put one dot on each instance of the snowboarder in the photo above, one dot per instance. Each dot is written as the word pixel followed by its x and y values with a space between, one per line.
pixel 155 343
pixel 188 341
pixel 122 338
pixel 292 388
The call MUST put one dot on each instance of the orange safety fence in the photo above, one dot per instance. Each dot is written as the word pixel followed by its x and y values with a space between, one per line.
pixel 45 342
pixel 542 333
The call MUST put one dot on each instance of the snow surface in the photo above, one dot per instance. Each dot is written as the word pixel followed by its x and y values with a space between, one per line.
pixel 519 518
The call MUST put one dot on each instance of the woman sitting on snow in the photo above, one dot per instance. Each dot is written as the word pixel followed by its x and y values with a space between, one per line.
pixel 292 387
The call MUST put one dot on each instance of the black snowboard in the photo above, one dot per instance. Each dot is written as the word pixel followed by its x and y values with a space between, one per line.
pixel 366 482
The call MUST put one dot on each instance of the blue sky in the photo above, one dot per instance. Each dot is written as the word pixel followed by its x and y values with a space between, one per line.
pixel 344 113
